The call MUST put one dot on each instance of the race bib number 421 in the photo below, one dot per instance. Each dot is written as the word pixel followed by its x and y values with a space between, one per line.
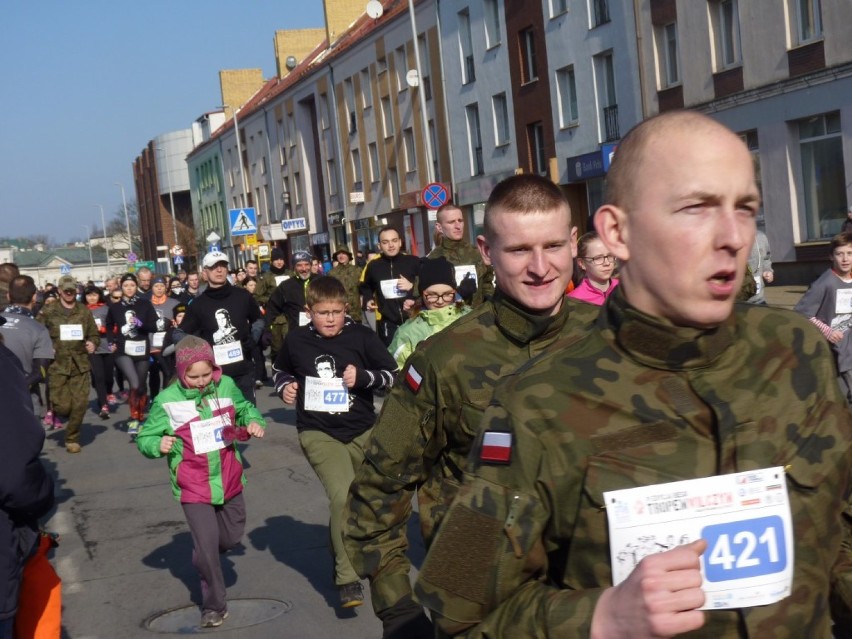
pixel 744 518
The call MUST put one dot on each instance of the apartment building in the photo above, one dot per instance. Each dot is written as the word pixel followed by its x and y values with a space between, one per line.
pixel 780 74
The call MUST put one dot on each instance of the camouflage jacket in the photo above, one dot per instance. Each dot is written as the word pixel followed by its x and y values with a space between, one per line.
pixel 427 426
pixel 71 356
pixel 461 253
pixel 266 285
pixel 641 402
pixel 350 276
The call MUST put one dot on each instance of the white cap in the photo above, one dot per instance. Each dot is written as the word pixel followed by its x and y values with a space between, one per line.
pixel 213 258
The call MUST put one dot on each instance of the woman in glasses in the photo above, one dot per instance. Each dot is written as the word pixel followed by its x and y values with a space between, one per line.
pixel 439 307
pixel 597 267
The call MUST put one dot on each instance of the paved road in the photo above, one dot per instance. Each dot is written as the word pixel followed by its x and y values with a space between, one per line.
pixel 125 547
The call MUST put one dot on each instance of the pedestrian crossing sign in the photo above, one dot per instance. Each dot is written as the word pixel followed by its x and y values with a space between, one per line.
pixel 243 221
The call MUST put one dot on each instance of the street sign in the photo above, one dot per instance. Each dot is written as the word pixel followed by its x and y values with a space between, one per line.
pixel 214 247
pixel 212 237
pixel 176 250
pixel 434 195
pixel 263 250
pixel 251 240
pixel 178 259
pixel 146 264
pixel 132 257
pixel 243 221
pixel 65 269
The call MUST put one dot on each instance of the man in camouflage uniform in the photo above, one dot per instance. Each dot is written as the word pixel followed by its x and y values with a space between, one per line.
pixel 428 422
pixel 475 278
pixel 75 335
pixel 272 278
pixel 674 383
pixel 350 276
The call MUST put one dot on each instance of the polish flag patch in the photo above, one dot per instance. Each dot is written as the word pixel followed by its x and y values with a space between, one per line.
pixel 496 447
pixel 413 379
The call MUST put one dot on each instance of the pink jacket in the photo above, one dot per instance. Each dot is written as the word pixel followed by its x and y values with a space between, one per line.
pixel 585 292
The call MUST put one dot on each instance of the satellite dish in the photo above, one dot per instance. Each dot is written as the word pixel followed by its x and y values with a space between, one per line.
pixel 375 9
pixel 412 79
pixel 291 62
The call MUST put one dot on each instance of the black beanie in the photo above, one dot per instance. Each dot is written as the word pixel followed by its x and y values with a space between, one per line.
pixel 436 271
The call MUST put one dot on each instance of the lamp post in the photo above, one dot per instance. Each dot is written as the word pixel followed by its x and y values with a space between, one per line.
pixel 243 199
pixel 126 217
pixel 171 196
pixel 91 261
pixel 424 118
pixel 103 226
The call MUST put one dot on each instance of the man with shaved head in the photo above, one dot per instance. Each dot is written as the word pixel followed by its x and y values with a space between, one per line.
pixel 675 383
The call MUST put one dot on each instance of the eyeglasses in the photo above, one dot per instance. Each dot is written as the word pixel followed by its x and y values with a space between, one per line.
pixel 116 297
pixel 449 296
pixel 327 314
pixel 600 259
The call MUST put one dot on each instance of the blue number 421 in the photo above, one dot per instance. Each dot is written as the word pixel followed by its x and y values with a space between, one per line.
pixel 747 548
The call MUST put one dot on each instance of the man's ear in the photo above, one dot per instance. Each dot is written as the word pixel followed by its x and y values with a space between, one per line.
pixel 612 227
pixel 484 249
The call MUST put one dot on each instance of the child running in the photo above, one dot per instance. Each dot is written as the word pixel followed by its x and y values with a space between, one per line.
pixel 437 284
pixel 331 367
pixel 195 422
pixel 597 266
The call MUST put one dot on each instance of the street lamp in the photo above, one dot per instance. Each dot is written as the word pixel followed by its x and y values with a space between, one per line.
pixel 424 118
pixel 91 261
pixel 243 199
pixel 103 226
pixel 171 196
pixel 126 217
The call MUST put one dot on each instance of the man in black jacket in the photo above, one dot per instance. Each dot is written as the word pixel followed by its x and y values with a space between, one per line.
pixel 388 284
pixel 26 490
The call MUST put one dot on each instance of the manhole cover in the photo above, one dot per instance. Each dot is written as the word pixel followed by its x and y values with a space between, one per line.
pixel 242 613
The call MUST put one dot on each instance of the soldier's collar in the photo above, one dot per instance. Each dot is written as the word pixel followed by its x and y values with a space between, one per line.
pixel 660 344
pixel 521 325
pixel 448 243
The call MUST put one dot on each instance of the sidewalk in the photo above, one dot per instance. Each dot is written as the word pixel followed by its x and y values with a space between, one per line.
pixel 784 296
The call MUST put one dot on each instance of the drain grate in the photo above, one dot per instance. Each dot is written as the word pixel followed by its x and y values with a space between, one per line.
pixel 242 613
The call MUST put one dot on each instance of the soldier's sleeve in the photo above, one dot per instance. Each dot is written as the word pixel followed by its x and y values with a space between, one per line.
pixel 486 280
pixel 403 445
pixel 486 573
pixel 841 590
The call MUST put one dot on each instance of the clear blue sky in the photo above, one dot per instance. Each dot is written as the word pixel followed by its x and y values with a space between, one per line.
pixel 85 84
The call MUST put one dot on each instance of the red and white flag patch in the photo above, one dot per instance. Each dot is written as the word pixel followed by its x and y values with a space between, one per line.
pixel 496 447
pixel 413 379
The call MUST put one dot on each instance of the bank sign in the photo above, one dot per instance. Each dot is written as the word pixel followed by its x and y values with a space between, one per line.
pixel 590 165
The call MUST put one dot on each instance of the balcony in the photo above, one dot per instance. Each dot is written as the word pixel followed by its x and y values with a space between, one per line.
pixel 610 115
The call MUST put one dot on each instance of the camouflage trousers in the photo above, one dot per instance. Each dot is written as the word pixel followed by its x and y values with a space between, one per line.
pixel 69 395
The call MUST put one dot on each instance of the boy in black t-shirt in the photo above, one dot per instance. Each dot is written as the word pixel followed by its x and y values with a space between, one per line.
pixel 330 369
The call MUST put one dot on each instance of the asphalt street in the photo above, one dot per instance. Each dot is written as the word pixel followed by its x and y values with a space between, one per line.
pixel 125 550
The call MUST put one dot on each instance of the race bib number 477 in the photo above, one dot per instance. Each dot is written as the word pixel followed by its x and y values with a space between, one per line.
pixel 744 517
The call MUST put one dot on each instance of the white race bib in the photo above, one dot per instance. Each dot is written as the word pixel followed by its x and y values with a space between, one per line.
pixel 229 353
pixel 304 319
pixel 157 339
pixel 207 435
pixel 390 290
pixel 281 278
pixel 326 395
pixel 134 348
pixel 70 332
pixel 843 301
pixel 744 517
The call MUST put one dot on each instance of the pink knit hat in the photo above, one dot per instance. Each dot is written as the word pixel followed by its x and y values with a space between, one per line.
pixel 193 349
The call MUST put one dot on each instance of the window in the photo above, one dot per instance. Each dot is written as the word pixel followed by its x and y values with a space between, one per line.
pixel 567 95
pixel 349 92
pixel 751 141
pixel 324 119
pixel 535 133
pixel 425 68
pixel 492 23
pixel 332 177
pixel 808 20
pixel 501 119
pixel 297 189
pixel 387 118
pixel 725 21
pixel 409 150
pixel 366 89
pixel 263 165
pixel 558 7
pixel 667 54
pixel 393 186
pixel 600 12
pixel 474 139
pixel 466 48
pixel 529 68
pixel 823 174
pixel 605 73
pixel 401 69
pixel 374 162
pixel 357 175
pixel 382 65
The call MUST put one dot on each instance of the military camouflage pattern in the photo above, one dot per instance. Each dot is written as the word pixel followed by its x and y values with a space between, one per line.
pixel 524 550
pixel 461 253
pixel 68 376
pixel 423 436
pixel 264 288
pixel 350 276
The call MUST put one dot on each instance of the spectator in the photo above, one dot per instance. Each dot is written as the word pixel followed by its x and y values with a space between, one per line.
pixel 597 267
pixel 760 265
pixel 350 276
